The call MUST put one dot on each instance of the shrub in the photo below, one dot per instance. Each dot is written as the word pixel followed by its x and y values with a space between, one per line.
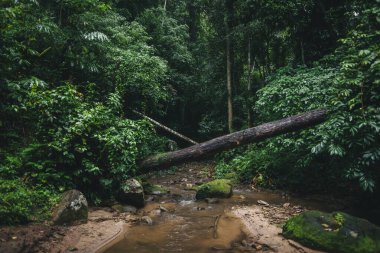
pixel 20 203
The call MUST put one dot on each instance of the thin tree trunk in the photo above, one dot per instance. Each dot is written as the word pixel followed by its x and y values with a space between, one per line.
pixel 249 88
pixel 229 6
pixel 302 53
pixel 166 128
pixel 164 17
pixel 193 21
pixel 229 89
pixel 250 135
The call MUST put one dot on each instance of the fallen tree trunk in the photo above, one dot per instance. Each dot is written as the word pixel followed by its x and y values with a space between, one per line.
pixel 250 135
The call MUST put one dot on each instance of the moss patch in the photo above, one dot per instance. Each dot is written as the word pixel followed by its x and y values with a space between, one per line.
pixel 155 189
pixel 220 188
pixel 118 207
pixel 334 232
pixel 233 177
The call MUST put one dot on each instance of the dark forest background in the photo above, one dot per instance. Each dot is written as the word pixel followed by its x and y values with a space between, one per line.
pixel 72 71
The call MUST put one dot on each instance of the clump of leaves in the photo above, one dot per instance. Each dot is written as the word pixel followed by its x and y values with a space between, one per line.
pixel 339 218
pixel 20 203
pixel 80 144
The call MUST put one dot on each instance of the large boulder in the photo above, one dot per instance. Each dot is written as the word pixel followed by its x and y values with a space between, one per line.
pixel 132 193
pixel 72 207
pixel 333 232
pixel 219 188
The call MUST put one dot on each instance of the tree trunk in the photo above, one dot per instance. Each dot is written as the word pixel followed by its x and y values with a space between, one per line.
pixel 250 135
pixel 302 53
pixel 249 88
pixel 165 128
pixel 193 21
pixel 229 6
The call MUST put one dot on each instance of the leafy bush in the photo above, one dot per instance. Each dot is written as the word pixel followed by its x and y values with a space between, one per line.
pixel 75 136
pixel 245 165
pixel 281 161
pixel 20 204
pixel 81 144
pixel 346 146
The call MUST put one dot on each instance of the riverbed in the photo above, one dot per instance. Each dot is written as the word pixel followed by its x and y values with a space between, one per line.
pixel 249 221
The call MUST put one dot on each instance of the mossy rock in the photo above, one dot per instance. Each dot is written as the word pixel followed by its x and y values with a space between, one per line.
pixel 72 207
pixel 219 188
pixel 155 189
pixel 333 232
pixel 132 193
pixel 118 207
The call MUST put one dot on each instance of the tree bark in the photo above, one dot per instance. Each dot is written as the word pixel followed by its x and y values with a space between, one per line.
pixel 250 135
pixel 302 53
pixel 169 130
pixel 193 21
pixel 249 88
pixel 229 56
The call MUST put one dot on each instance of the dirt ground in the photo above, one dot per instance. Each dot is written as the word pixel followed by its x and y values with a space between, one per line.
pixel 103 226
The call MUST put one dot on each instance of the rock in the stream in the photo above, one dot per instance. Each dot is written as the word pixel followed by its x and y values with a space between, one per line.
pixel 118 207
pixel 124 209
pixel 147 220
pixel 333 232
pixel 132 193
pixel 163 209
pixel 219 188
pixel 129 209
pixel 155 189
pixel 212 200
pixel 72 207
pixel 263 203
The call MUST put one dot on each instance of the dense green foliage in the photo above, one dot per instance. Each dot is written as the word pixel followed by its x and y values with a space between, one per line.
pixel 72 70
pixel 20 204
pixel 346 146
pixel 69 72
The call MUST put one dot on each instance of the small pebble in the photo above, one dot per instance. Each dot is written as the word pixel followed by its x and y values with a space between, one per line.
pixel 262 202
pixel 147 220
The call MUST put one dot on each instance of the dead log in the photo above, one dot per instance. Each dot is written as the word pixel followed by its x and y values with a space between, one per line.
pixel 171 131
pixel 250 135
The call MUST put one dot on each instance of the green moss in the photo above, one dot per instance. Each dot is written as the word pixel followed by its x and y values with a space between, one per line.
pixel 155 189
pixel 233 177
pixel 194 188
pixel 335 232
pixel 220 188
pixel 118 207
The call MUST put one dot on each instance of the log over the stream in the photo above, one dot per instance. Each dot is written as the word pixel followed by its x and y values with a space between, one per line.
pixel 250 135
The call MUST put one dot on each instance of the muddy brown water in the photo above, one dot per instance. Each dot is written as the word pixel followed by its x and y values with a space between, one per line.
pixel 182 224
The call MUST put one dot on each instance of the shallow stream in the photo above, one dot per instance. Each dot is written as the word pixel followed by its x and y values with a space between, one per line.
pixel 182 224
